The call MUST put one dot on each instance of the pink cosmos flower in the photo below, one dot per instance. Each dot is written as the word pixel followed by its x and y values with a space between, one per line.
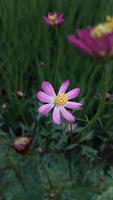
pixel 97 41
pixel 59 103
pixel 53 19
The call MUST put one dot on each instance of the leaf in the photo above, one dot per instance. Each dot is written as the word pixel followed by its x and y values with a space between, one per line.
pixel 71 146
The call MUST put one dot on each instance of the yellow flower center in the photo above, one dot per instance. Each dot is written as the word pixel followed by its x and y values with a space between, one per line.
pixel 52 18
pixel 22 140
pixel 101 29
pixel 61 99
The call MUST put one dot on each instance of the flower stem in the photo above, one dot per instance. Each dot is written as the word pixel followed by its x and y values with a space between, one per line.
pixel 46 173
pixel 104 85
pixel 40 162
pixel 98 113
pixel 17 173
pixel 58 54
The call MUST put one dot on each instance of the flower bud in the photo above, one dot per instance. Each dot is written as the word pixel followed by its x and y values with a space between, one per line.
pixel 4 106
pixel 40 151
pixel 52 195
pixel 42 64
pixel 19 94
pixel 21 144
pixel 71 127
pixel 108 97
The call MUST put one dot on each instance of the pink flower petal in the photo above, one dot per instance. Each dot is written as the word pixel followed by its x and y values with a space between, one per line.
pixel 56 116
pixel 43 97
pixel 79 44
pixel 46 20
pixel 88 40
pixel 67 115
pixel 73 93
pixel 64 86
pixel 60 19
pixel 102 47
pixel 48 89
pixel 43 110
pixel 61 16
pixel 52 13
pixel 84 34
pixel 73 105
pixel 85 37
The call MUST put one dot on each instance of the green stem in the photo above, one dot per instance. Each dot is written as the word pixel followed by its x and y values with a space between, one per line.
pixel 39 162
pixel 104 86
pixel 22 114
pixel 95 117
pixel 46 173
pixel 17 173
pixel 70 165
pixel 58 54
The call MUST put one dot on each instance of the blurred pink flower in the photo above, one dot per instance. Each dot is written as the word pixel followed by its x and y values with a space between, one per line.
pixel 53 19
pixel 97 41
pixel 60 102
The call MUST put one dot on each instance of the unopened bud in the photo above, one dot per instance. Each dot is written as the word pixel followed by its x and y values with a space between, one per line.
pixel 71 127
pixel 52 195
pixel 19 94
pixel 40 151
pixel 108 97
pixel 21 144
pixel 4 106
pixel 42 64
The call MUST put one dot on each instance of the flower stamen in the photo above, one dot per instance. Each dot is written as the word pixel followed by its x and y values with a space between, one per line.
pixel 52 18
pixel 101 29
pixel 61 100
